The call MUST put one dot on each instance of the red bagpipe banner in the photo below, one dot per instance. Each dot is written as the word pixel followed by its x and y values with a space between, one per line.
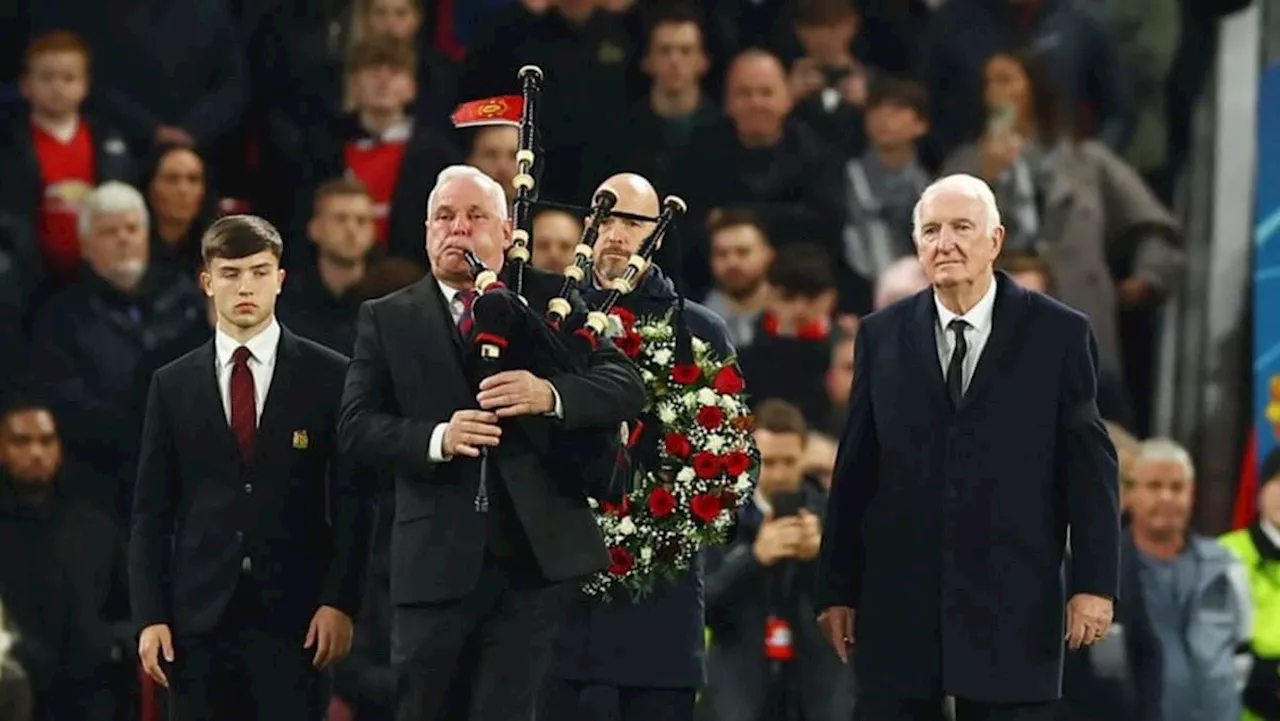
pixel 1247 490
pixel 500 110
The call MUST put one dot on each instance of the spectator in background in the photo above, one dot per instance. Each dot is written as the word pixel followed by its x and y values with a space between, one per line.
pixel 1258 549
pixel 828 84
pixel 16 703
pixel 820 459
pixel 182 205
pixel 768 659
pixel 391 153
pixel 902 279
pixel 90 337
pixel 17 294
pixel 317 302
pixel 555 235
pixel 1073 41
pixel 64 577
pixel 493 150
pixel 437 75
pixel 881 187
pixel 1074 202
pixel 778 170
pixel 740 258
pixel 52 157
pixel 794 333
pixel 839 381
pixel 1196 591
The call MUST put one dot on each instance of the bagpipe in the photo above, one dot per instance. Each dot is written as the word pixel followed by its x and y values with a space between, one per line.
pixel 507 334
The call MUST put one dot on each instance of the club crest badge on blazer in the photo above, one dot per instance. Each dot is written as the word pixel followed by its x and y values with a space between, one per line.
pixel 300 440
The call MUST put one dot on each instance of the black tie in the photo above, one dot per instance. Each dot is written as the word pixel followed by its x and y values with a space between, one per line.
pixel 955 369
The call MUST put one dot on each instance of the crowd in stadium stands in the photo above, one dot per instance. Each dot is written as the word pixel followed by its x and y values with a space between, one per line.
pixel 800 132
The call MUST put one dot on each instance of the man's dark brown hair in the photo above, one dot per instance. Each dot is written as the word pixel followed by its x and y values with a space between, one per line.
pixel 801 270
pixel 382 53
pixel 240 236
pixel 821 13
pixel 778 416
pixel 901 93
pixel 340 188
pixel 674 13
pixel 1026 262
pixel 733 218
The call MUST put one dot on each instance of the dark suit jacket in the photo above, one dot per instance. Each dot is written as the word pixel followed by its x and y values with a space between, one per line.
pixel 296 510
pixel 946 530
pixel 410 374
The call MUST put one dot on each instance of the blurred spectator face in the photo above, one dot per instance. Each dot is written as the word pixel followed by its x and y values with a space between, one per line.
pixel 56 83
pixel 953 242
pixel 1160 498
pixel 30 450
pixel 740 255
pixel 397 19
pixel 342 227
pixel 820 459
pixel 675 60
pixel 1031 280
pixel 621 237
pixel 840 373
pixel 177 191
pixel 494 152
pixel 116 248
pixel 781 461
pixel 465 217
pixel 382 89
pixel 891 126
pixel 828 42
pixel 244 290
pixel 1269 501
pixel 794 310
pixel 555 234
pixel 902 279
pixel 757 99
pixel 1006 84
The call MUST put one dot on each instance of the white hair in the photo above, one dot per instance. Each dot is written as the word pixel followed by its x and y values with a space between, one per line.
pixel 902 279
pixel 470 172
pixel 967 185
pixel 108 199
pixel 1164 450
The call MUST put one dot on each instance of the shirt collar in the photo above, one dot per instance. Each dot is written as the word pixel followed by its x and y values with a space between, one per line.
pixel 1271 532
pixel 449 291
pixel 978 317
pixel 262 347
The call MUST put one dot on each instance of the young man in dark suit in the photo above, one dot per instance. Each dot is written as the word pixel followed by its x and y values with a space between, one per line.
pixel 478 591
pixel 249 531
pixel 972 444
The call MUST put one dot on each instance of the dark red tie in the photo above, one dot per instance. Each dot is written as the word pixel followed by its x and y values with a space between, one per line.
pixel 466 320
pixel 244 407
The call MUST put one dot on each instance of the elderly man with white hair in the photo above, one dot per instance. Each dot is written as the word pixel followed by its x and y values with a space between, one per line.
pixel 479 581
pixel 90 337
pixel 972 443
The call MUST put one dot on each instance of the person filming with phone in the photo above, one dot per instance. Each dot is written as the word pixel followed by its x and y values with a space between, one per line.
pixel 768 659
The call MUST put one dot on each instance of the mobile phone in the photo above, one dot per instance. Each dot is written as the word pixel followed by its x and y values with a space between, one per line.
pixel 1001 119
pixel 786 504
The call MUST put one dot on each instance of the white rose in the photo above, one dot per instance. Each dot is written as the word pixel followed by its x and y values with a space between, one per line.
pixel 699 345
pixel 646 375
pixel 646 554
pixel 685 475
pixel 729 404
pixel 707 397
pixel 690 401
pixel 715 443
pixel 626 526
pixel 743 483
pixel 592 503
pixel 666 414
pixel 662 357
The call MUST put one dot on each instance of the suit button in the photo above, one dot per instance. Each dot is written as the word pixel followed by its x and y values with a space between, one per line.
pixel 246 565
pixel 248 488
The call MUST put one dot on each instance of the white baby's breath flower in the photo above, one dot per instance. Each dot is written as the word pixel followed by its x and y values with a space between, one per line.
pixel 743 484
pixel 626 526
pixel 662 357
pixel 686 475
pixel 707 397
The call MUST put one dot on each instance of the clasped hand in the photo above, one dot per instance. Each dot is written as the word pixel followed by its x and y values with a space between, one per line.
pixel 502 395
pixel 797 536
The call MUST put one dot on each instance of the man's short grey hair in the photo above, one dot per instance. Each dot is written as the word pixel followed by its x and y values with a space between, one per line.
pixel 968 185
pixel 469 172
pixel 108 199
pixel 1164 450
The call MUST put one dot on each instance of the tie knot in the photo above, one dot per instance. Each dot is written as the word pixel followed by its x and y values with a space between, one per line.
pixel 958 326
pixel 241 356
pixel 467 297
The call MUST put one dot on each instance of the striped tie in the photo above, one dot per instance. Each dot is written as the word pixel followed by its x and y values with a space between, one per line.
pixel 466 320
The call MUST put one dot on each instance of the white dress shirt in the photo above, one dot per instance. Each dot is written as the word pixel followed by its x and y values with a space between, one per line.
pixel 262 363
pixel 435 448
pixel 975 335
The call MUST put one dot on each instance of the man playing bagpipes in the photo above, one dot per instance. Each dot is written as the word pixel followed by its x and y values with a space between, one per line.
pixel 638 660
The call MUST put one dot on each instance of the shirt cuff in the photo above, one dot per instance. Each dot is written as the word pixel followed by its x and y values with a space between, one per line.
pixel 435 449
pixel 559 409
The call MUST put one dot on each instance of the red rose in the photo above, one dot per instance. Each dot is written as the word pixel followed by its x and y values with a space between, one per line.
pixel 677 446
pixel 626 317
pixel 617 509
pixel 736 463
pixel 729 499
pixel 728 381
pixel 710 417
pixel 620 561
pixel 706 465
pixel 629 343
pixel 661 502
pixel 685 373
pixel 705 507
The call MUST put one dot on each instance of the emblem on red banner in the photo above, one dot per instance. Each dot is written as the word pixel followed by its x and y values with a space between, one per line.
pixel 501 110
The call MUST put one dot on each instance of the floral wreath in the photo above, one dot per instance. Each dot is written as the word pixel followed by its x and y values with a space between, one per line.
pixel 702 467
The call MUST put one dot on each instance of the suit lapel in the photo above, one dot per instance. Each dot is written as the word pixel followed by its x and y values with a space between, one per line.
pixel 924 348
pixel 208 401
pixel 429 302
pixel 274 423
pixel 1006 317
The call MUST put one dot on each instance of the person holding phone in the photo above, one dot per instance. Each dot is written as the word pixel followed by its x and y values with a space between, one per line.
pixel 768 659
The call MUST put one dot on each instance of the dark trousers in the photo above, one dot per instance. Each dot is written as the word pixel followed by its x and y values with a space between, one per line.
pixel 881 708
pixel 574 701
pixel 245 669
pixel 481 657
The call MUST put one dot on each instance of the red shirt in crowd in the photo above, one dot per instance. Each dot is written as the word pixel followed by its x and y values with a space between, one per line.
pixel 376 163
pixel 67 174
